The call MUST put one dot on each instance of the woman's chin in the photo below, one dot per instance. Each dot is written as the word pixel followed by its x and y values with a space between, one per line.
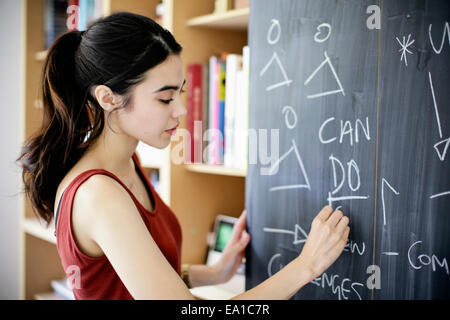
pixel 161 144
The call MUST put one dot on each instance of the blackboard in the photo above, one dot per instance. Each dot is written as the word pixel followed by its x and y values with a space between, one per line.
pixel 359 110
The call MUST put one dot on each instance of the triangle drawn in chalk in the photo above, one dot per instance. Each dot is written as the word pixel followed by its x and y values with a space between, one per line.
pixel 300 235
pixel 276 166
pixel 441 148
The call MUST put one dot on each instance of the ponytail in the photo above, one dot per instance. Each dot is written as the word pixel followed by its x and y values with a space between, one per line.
pixel 115 51
pixel 58 145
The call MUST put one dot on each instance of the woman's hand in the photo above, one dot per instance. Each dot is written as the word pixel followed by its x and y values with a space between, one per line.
pixel 234 251
pixel 325 242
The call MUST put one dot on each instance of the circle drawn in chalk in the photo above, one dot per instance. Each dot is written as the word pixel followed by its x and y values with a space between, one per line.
pixel 271 261
pixel 288 110
pixel 275 23
pixel 316 36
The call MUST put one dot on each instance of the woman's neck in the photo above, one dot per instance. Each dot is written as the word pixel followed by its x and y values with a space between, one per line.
pixel 113 152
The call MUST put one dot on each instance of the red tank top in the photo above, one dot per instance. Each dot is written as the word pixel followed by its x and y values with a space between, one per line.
pixel 97 277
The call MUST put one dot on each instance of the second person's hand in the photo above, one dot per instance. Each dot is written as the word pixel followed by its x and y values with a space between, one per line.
pixel 234 251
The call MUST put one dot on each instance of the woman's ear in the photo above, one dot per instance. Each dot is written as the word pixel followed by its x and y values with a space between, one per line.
pixel 107 99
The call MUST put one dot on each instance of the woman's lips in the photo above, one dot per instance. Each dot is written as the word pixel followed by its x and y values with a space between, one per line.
pixel 172 131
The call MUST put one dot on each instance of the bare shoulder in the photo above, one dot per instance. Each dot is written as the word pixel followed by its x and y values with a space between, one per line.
pixel 96 187
pixel 99 200
pixel 101 197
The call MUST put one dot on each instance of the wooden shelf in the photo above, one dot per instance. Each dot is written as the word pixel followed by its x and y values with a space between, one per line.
pixel 219 170
pixel 232 20
pixel 47 296
pixel 37 228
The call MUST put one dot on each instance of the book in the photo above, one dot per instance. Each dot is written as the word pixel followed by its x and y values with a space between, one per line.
pixel 61 16
pixel 205 108
pixel 227 125
pixel 86 13
pixel 62 288
pixel 222 6
pixel 195 113
pixel 212 148
pixel 233 65
pixel 238 4
pixel 55 19
pixel 221 110
pixel 240 147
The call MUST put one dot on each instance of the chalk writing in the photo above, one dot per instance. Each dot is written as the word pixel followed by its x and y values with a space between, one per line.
pixel 299 234
pixel 404 48
pixel 293 149
pixel 326 61
pixel 446 31
pixel 383 183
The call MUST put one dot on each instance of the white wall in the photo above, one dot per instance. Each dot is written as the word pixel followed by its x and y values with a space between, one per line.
pixel 10 141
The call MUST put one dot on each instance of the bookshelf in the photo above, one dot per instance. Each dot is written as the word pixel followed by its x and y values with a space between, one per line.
pixel 232 20
pixel 217 170
pixel 196 193
pixel 37 228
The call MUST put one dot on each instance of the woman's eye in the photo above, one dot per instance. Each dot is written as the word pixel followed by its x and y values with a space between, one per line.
pixel 166 101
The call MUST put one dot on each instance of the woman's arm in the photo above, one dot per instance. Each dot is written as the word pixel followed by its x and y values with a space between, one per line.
pixel 282 285
pixel 326 241
pixel 117 228
pixel 203 275
pixel 230 259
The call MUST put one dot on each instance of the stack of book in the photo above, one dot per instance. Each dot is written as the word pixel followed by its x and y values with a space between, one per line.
pixel 217 118
pixel 62 289
pixel 63 15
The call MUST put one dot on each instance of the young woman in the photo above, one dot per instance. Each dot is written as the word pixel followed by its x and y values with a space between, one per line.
pixel 104 90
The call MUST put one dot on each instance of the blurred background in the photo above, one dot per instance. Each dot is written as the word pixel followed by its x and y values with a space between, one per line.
pixel 12 132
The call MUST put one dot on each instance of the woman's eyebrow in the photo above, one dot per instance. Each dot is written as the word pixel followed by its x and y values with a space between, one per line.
pixel 170 87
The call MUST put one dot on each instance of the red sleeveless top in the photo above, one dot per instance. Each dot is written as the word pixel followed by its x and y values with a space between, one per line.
pixel 94 278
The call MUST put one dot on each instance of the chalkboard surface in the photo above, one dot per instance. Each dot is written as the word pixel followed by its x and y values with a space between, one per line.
pixel 359 111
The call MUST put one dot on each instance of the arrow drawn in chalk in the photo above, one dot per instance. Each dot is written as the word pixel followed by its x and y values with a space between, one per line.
pixel 383 183
pixel 441 147
pixel 299 234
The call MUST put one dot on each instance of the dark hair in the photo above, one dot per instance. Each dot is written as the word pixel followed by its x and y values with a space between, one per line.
pixel 115 51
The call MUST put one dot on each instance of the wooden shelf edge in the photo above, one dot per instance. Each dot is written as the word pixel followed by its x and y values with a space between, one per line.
pixel 47 296
pixel 36 228
pixel 234 20
pixel 219 170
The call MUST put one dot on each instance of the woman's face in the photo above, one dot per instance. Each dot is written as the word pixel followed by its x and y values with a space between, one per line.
pixel 155 104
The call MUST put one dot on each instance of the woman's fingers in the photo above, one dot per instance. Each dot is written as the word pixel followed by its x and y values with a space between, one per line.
pixel 335 217
pixel 342 224
pixel 239 227
pixel 325 213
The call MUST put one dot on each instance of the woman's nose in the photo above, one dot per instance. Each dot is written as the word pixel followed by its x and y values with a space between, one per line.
pixel 180 109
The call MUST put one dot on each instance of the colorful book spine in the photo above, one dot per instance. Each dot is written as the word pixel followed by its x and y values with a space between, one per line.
pixel 88 12
pixel 213 111
pixel 63 15
pixel 233 65
pixel 240 147
pixel 205 108
pixel 221 112
pixel 195 113
pixel 61 288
